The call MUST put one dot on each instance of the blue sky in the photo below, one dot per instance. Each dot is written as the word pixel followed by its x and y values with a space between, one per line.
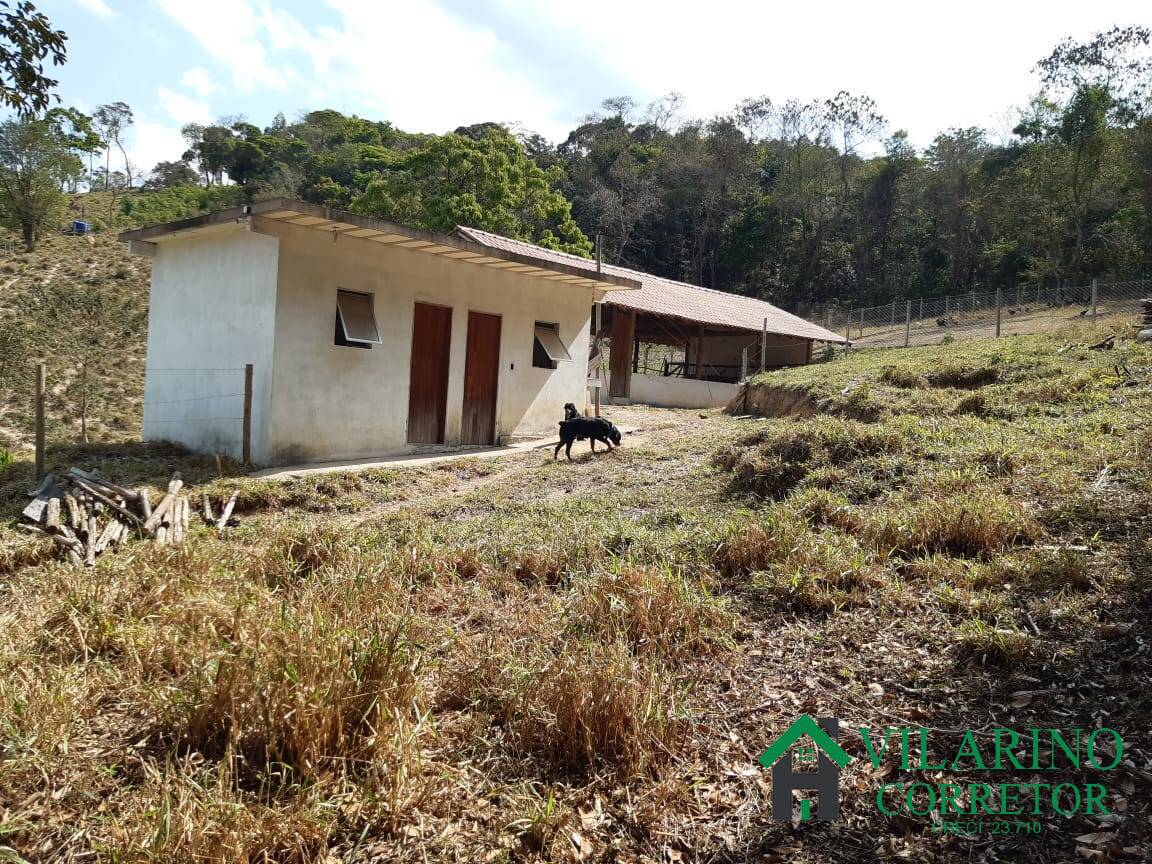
pixel 431 66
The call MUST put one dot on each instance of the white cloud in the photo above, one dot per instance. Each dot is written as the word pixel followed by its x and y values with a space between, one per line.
pixel 183 109
pixel 228 30
pixel 155 142
pixel 198 80
pixel 97 7
pixel 927 70
pixel 426 67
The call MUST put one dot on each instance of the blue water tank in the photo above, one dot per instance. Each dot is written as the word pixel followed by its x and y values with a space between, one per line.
pixel 79 227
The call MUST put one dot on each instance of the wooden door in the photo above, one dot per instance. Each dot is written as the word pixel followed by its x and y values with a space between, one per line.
pixel 428 374
pixel 481 373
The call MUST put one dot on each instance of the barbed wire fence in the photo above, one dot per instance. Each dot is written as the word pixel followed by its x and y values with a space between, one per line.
pixel 211 405
pixel 985 315
pixel 219 397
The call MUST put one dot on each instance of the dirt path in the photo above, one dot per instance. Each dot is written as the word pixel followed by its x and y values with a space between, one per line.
pixel 648 428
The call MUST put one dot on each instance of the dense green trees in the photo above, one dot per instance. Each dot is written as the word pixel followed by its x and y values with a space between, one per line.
pixel 483 179
pixel 798 202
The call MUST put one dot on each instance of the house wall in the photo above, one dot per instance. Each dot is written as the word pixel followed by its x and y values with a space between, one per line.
pixel 211 311
pixel 672 392
pixel 726 349
pixel 331 402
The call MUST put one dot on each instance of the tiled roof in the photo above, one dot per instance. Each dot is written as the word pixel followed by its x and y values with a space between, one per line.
pixel 665 297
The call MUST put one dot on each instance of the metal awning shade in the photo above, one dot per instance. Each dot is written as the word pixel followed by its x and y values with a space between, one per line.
pixel 550 341
pixel 356 318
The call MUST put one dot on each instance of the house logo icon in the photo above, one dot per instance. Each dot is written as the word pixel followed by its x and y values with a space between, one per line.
pixel 824 781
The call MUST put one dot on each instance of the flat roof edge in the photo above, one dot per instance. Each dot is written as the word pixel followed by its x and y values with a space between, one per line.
pixel 607 282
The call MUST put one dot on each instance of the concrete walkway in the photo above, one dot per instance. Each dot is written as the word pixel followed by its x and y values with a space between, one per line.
pixel 410 460
pixel 413 460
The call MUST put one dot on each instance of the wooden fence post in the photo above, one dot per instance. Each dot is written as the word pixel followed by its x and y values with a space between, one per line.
pixel 246 446
pixel 907 323
pixel 1094 297
pixel 998 313
pixel 41 388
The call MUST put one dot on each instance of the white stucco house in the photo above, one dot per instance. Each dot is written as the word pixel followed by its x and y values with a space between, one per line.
pixel 365 338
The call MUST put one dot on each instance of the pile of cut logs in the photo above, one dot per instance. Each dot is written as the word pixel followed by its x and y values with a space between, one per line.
pixel 86 515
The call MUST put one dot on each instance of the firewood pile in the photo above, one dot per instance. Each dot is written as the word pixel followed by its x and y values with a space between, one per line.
pixel 1145 325
pixel 86 515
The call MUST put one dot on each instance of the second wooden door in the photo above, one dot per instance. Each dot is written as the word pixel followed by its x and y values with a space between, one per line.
pixel 428 375
pixel 481 374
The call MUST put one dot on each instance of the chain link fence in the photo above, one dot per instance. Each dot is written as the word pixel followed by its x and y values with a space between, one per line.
pixel 987 315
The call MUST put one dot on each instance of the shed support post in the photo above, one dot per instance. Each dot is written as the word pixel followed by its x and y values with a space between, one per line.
pixel 620 354
pixel 700 353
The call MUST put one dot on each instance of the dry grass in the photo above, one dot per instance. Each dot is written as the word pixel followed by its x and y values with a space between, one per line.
pixel 537 661
pixel 972 525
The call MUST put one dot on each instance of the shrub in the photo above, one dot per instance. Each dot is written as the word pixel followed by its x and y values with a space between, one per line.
pixel 995 646
pixel 904 378
pixel 963 377
pixel 974 404
pixel 971 523
pixel 649 609
pixel 773 461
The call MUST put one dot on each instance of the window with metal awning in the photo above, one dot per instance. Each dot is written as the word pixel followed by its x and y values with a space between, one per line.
pixel 547 349
pixel 355 320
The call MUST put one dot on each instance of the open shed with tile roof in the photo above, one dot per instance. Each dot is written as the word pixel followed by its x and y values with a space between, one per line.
pixel 709 335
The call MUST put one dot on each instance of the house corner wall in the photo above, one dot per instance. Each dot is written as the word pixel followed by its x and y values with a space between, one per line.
pixel 211 311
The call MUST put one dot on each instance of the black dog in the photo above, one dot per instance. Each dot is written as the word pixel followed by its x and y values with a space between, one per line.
pixel 576 428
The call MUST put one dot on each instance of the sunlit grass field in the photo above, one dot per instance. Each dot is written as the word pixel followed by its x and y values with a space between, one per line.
pixel 528 660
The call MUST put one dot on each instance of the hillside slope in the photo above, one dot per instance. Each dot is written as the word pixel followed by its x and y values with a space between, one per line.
pixel 80 304
pixel 529 660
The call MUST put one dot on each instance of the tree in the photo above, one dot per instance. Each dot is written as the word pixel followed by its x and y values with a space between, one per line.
pixel 111 122
pixel 852 121
pixel 167 175
pixel 37 159
pixel 487 183
pixel 26 41
pixel 210 147
pixel 1116 61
